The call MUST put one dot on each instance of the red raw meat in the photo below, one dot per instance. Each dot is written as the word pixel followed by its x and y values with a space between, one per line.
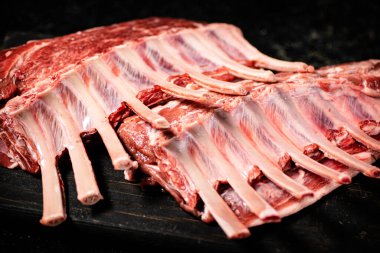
pixel 228 140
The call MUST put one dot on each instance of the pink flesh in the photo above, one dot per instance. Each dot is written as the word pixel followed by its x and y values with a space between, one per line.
pixel 365 74
pixel 190 42
pixel 268 168
pixel 53 207
pixel 232 150
pixel 218 208
pixel 159 78
pixel 123 88
pixel 72 94
pixel 207 148
pixel 88 192
pixel 232 140
pixel 102 79
pixel 285 205
pixel 329 117
pixel 164 51
pixel 253 119
pixel 120 159
pixel 299 125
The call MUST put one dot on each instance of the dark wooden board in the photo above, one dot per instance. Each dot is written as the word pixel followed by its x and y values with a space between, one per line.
pixel 346 218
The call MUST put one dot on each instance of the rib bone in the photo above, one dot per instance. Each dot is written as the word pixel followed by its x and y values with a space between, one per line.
pixel 218 208
pixel 53 207
pixel 120 159
pixel 254 111
pixel 194 72
pixel 270 170
pixel 128 96
pixel 256 204
pixel 88 192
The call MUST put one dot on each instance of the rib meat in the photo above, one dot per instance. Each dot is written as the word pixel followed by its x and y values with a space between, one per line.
pixel 275 142
pixel 231 141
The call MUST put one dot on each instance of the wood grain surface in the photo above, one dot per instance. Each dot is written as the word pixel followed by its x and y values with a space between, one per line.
pixel 346 218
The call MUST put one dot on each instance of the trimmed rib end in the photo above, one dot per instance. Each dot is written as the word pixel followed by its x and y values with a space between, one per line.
pixel 53 220
pixel 309 68
pixel 303 67
pixel 242 234
pixel 129 174
pixel 269 215
pixel 375 173
pixel 344 179
pixel 270 77
pixel 124 163
pixel 90 198
pixel 304 194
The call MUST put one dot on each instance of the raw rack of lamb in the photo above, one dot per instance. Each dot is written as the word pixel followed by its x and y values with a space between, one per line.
pixel 195 107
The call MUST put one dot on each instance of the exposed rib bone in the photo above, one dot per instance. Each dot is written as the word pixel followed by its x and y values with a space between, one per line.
pixel 120 159
pixel 359 106
pixel 330 150
pixel 218 208
pixel 53 207
pixel 201 79
pixel 71 85
pixel 253 200
pixel 88 191
pixel 343 157
pixel 340 120
pixel 234 37
pixel 235 68
pixel 286 146
pixel 159 79
pixel 217 85
pixel 270 170
pixel 128 96
pixel 231 150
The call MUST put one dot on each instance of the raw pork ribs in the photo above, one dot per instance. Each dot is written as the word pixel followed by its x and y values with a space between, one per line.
pixel 230 141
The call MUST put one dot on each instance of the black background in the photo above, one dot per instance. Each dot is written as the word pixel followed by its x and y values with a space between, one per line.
pixel 317 32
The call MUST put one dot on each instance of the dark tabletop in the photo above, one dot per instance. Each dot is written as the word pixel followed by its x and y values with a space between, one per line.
pixel 317 32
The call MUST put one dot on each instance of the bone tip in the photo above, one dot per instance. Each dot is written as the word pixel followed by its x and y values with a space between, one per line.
pixel 53 220
pixel 135 164
pixel 270 77
pixel 243 233
pixel 90 198
pixel 269 215
pixel 375 173
pixel 160 123
pixel 309 68
pixel 344 179
pixel 129 171
pixel 125 163
pixel 129 175
pixel 303 67
pixel 304 194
